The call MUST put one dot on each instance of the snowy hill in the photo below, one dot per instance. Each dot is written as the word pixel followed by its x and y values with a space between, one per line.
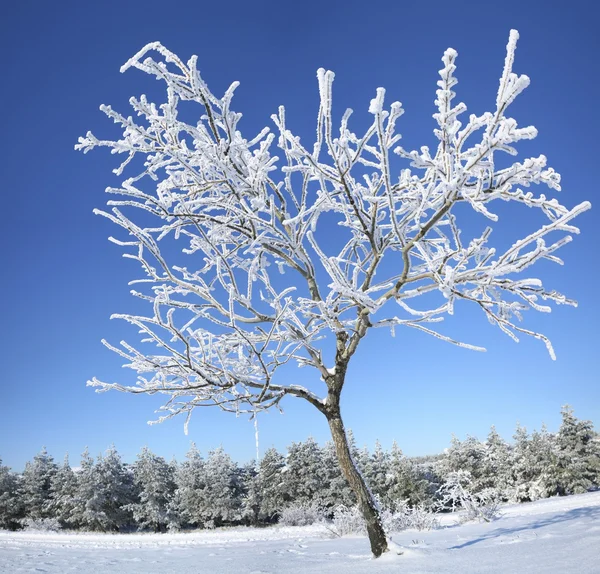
pixel 558 535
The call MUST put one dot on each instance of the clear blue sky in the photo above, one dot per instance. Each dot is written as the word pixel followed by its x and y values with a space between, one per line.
pixel 61 279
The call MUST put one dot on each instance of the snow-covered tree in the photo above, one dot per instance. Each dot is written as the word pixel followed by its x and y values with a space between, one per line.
pixel 154 481
pixel 104 493
pixel 305 474
pixel 496 472
pixel 190 482
pixel 11 508
pixel 467 455
pixel 377 473
pixel 533 464
pixel 271 485
pixel 35 485
pixel 63 492
pixel 457 492
pixel 222 495
pixel 254 285
pixel 406 481
pixel 578 454
pixel 338 491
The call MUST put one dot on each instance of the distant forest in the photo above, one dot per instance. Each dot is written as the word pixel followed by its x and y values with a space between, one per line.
pixel 105 494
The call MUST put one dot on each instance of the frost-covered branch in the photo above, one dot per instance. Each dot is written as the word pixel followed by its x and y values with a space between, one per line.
pixel 240 275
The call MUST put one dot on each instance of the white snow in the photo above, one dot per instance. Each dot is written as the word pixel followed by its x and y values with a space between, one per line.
pixel 559 535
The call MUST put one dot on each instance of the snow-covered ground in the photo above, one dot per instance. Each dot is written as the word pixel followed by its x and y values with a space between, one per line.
pixel 560 535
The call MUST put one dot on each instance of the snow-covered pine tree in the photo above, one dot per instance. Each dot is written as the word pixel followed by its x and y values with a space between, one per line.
pixel 496 470
pixel 222 495
pixel 578 454
pixel 104 492
pixel 11 507
pixel 190 482
pixel 533 465
pixel 467 456
pixel 377 474
pixel 407 482
pixel 63 494
pixel 251 495
pixel 305 475
pixel 84 492
pixel 155 487
pixel 226 321
pixel 35 484
pixel 337 491
pixel 543 460
pixel 271 485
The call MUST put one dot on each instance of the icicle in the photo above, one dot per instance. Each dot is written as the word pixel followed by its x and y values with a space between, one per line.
pixel 256 437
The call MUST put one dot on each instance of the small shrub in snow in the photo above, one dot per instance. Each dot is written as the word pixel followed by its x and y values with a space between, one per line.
pixel 456 494
pixel 348 520
pixel 301 514
pixel 41 524
pixel 403 517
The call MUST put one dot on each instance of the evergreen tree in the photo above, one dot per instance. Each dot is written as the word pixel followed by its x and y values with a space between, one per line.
pixel 155 487
pixel 35 485
pixel 468 456
pixel 251 495
pixel 406 482
pixel 271 485
pixel 578 454
pixel 190 482
pixel 222 495
pixel 522 465
pixel 337 491
pixel 377 473
pixel 305 473
pixel 495 466
pixel 105 491
pixel 63 493
pixel 11 508
pixel 543 459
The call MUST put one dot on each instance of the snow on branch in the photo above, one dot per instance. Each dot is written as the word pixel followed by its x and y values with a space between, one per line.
pixel 229 239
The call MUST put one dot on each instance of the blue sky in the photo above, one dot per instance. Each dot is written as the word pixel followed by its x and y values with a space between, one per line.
pixel 62 279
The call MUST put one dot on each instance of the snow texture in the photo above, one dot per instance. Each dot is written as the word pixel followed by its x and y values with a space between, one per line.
pixel 558 535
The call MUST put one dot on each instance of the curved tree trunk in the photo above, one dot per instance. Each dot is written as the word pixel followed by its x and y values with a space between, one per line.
pixel 366 502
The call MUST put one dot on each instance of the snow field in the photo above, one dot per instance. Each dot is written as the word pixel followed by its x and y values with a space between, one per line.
pixel 552 536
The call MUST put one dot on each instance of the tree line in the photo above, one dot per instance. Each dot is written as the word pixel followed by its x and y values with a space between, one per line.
pixel 108 495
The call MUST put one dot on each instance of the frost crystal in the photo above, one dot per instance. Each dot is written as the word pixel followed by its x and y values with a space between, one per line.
pixel 224 217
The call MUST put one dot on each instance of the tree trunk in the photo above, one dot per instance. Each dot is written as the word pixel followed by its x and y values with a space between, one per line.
pixel 366 502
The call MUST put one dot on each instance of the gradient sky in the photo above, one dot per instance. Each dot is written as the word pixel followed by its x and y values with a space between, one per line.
pixel 62 279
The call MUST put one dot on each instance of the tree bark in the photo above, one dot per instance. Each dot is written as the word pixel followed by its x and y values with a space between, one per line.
pixel 366 501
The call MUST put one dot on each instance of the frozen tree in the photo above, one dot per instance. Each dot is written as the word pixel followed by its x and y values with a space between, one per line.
pixel 468 456
pixel 35 485
pixel 578 454
pixel 457 492
pixel 378 473
pixel 222 494
pixel 190 483
pixel 250 493
pixel 104 492
pixel 407 483
pixel 155 485
pixel 338 491
pixel 11 509
pixel 495 466
pixel 543 465
pixel 270 479
pixel 305 473
pixel 241 278
pixel 533 465
pixel 63 492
